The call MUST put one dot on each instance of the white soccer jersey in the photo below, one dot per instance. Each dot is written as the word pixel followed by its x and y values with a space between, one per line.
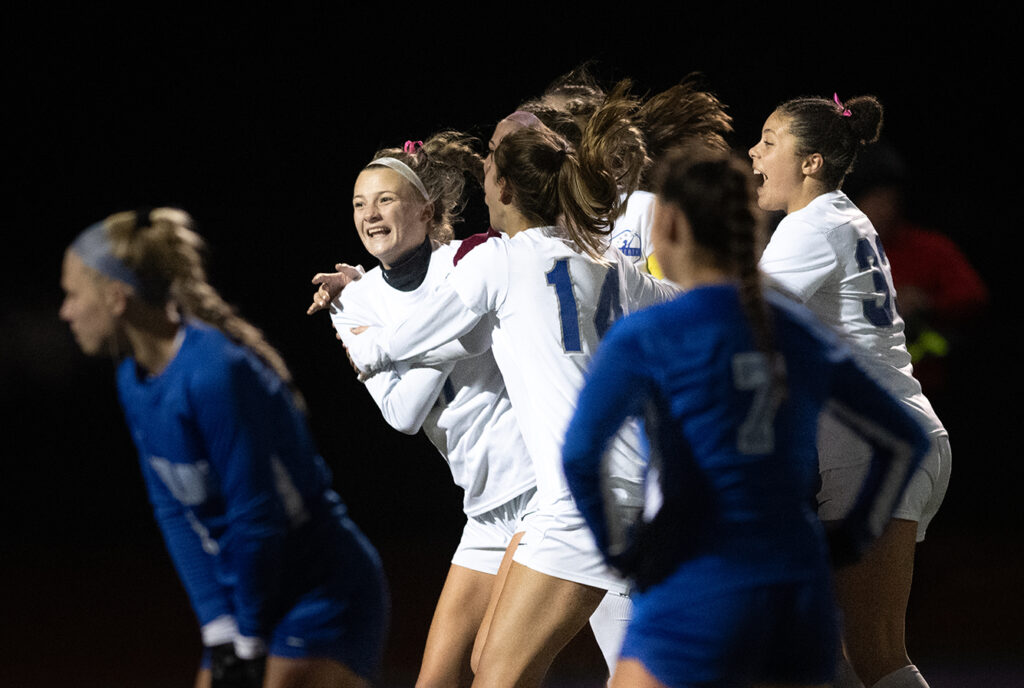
pixel 829 256
pixel 461 405
pixel 631 232
pixel 550 306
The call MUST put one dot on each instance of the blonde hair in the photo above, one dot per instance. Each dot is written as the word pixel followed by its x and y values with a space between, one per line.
pixel 166 254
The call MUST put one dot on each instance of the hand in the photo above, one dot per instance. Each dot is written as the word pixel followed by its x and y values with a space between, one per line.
pixel 331 284
pixel 228 670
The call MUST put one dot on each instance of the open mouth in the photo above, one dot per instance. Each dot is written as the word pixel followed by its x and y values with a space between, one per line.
pixel 375 232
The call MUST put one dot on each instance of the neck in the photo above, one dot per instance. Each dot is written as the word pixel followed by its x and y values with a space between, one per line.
pixel 152 333
pixel 515 224
pixel 810 190
pixel 410 270
pixel 703 276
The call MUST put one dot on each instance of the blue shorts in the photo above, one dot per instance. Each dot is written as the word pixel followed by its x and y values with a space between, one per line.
pixel 768 633
pixel 344 617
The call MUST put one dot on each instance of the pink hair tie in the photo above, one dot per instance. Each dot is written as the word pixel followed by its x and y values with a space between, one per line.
pixel 843 110
pixel 411 147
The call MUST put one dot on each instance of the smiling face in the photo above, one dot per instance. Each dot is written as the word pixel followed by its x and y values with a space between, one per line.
pixel 87 305
pixel 391 216
pixel 775 159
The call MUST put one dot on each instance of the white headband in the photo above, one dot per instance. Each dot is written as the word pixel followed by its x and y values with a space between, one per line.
pixel 404 170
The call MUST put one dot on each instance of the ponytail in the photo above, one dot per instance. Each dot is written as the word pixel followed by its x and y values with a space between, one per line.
pixel 166 254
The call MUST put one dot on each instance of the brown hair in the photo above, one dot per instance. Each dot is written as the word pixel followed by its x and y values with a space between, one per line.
pixel 441 163
pixel 714 191
pixel 836 131
pixel 683 116
pixel 550 179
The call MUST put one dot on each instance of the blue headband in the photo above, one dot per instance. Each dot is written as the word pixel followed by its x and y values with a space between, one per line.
pixel 93 247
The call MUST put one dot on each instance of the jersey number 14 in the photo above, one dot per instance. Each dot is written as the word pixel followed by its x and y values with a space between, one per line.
pixel 609 308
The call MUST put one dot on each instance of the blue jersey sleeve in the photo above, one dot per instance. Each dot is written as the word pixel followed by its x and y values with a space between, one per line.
pixel 612 393
pixel 240 419
pixel 193 557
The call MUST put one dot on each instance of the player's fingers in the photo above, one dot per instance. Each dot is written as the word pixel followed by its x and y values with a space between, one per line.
pixel 360 329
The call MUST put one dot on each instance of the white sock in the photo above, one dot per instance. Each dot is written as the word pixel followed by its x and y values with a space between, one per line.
pixel 608 622
pixel 846 677
pixel 907 677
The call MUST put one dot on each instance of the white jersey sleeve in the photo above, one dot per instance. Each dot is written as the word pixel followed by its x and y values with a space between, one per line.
pixel 639 289
pixel 631 232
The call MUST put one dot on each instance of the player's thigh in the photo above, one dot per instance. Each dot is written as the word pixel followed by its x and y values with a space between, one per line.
pixel 492 603
pixel 457 617
pixel 535 617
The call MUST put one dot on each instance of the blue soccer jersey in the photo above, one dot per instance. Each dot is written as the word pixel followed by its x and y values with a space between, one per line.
pixel 242 497
pixel 733 473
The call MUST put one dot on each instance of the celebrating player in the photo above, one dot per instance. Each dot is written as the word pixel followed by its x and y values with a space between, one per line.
pixel 282 582
pixel 551 287
pixel 826 254
pixel 677 117
pixel 404 204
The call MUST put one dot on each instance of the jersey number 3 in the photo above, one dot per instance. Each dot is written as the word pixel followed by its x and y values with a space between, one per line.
pixel 609 306
pixel 868 258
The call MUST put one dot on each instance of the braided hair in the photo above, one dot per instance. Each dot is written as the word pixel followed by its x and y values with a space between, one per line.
pixel 166 254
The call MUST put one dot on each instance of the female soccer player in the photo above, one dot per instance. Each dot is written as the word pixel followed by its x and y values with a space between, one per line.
pixel 550 290
pixel 729 558
pixel 281 580
pixel 404 204
pixel 679 116
pixel 826 254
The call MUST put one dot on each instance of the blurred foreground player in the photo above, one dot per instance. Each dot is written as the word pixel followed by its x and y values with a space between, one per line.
pixel 730 562
pixel 288 592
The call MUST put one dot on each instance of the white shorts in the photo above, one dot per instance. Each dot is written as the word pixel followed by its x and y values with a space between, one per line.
pixel 558 543
pixel 843 471
pixel 486 536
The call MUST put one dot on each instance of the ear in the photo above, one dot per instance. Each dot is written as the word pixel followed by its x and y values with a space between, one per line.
pixel 504 192
pixel 427 214
pixel 115 296
pixel 812 164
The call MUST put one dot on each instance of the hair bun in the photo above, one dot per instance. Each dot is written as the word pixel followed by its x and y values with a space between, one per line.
pixel 866 116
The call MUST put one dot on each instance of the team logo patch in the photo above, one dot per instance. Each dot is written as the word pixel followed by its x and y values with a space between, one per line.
pixel 628 242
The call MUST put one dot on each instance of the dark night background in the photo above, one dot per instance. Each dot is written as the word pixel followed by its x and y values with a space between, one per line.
pixel 257 122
